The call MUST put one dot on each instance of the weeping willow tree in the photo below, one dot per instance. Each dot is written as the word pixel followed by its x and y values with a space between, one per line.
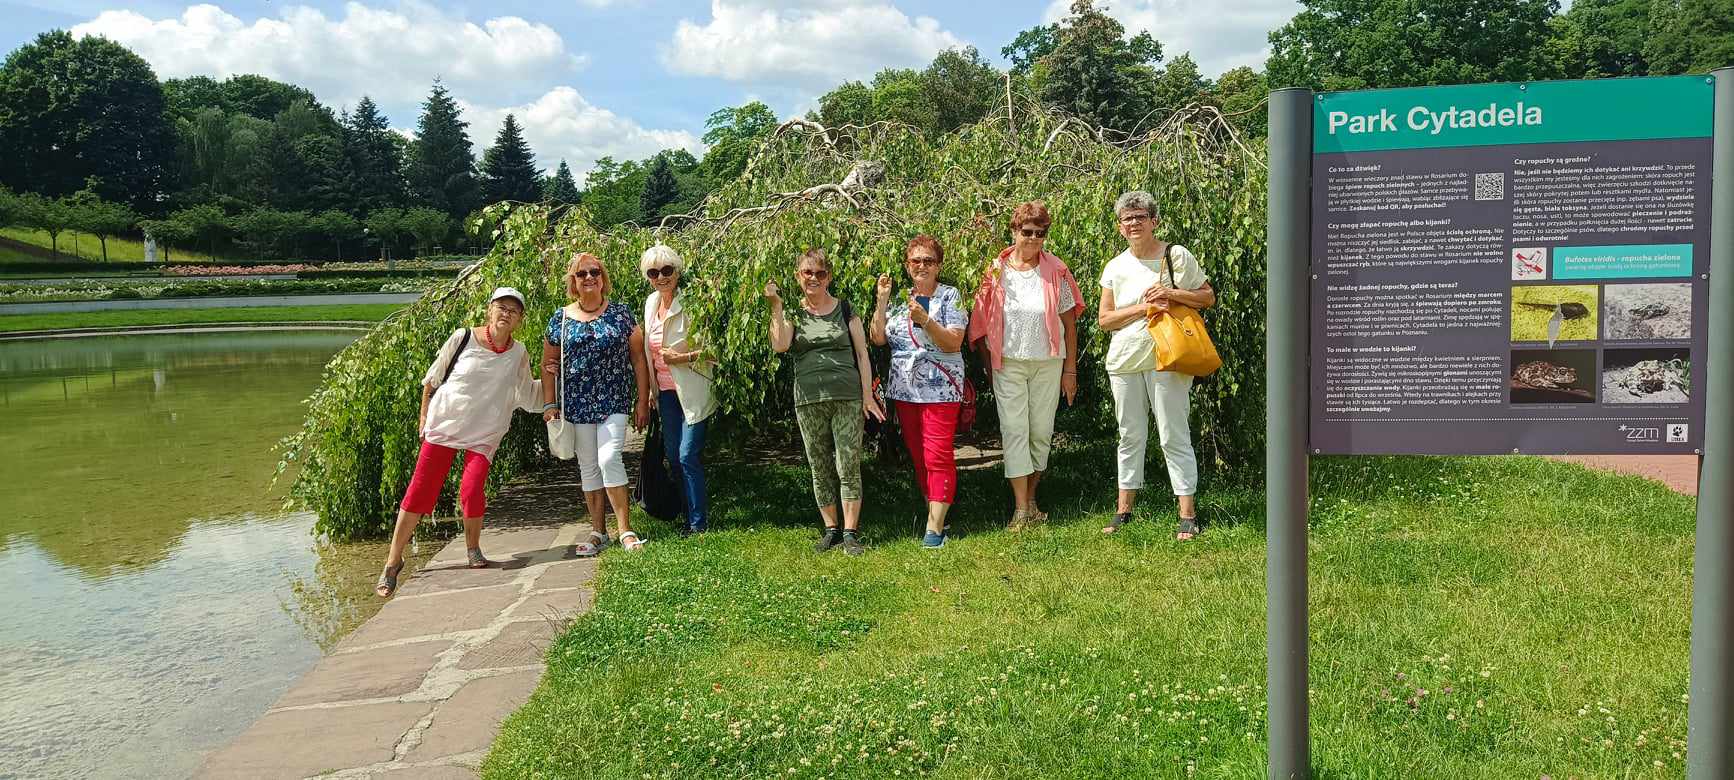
pixel 859 193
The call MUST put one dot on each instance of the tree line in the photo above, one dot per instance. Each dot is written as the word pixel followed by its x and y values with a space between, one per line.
pixel 93 138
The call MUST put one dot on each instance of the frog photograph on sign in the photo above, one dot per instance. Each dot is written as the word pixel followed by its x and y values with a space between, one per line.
pixel 1551 313
pixel 1638 312
pixel 1647 376
pixel 1553 376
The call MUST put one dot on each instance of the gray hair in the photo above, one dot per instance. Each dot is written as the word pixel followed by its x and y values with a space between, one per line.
pixel 661 255
pixel 1136 199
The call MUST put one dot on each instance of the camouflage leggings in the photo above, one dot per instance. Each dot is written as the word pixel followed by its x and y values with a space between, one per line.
pixel 831 431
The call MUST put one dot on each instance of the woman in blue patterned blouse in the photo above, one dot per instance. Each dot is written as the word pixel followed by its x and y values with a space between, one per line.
pixel 601 348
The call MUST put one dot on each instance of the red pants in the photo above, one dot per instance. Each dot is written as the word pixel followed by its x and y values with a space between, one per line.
pixel 431 468
pixel 928 430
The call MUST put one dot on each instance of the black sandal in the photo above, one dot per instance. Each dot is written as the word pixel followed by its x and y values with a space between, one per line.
pixel 1119 520
pixel 1187 530
pixel 477 560
pixel 388 581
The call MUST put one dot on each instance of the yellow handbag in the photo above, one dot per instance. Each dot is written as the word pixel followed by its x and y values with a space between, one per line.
pixel 1182 343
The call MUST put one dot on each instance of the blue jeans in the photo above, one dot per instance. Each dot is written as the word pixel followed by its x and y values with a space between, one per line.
pixel 684 447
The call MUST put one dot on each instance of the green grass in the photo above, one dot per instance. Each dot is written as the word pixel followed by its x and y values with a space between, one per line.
pixel 1543 608
pixel 371 312
pixel 89 248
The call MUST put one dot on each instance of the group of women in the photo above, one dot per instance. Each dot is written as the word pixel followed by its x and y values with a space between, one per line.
pixel 600 364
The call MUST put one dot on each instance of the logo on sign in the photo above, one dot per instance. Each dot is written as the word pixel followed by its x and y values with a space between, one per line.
pixel 1642 434
pixel 1677 432
pixel 1528 264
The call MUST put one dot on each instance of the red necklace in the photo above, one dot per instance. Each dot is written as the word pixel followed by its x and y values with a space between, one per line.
pixel 488 338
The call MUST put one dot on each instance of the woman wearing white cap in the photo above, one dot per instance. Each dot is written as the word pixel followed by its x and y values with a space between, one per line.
pixel 478 377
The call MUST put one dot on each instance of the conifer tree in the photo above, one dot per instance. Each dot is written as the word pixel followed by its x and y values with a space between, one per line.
pixel 373 159
pixel 442 171
pixel 660 189
pixel 509 167
pixel 562 188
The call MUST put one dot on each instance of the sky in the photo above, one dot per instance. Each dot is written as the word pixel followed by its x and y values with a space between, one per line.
pixel 594 78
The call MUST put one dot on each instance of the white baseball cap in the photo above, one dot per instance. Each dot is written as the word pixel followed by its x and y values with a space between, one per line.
pixel 508 292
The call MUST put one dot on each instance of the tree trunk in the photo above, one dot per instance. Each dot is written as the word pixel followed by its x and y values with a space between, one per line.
pixel 54 243
pixel 104 240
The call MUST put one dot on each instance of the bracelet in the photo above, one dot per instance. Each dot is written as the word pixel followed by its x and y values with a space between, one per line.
pixel 550 405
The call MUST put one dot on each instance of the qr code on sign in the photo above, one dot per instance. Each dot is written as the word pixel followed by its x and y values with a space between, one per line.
pixel 1490 186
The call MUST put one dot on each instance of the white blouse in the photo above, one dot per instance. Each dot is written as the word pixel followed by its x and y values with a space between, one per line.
pixel 1026 314
pixel 473 409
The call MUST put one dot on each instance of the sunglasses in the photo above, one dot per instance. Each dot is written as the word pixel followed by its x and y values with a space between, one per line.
pixel 924 260
pixel 1034 233
pixel 815 273
pixel 593 273
pixel 667 270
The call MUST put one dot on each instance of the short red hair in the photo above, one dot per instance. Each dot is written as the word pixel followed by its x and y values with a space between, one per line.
pixel 1032 212
pixel 927 241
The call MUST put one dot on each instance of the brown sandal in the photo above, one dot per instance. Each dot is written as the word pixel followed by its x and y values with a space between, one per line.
pixel 388 581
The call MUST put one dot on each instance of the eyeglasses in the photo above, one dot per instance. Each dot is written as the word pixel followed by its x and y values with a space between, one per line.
pixel 924 260
pixel 1136 219
pixel 815 273
pixel 1034 233
pixel 512 310
pixel 593 273
pixel 652 273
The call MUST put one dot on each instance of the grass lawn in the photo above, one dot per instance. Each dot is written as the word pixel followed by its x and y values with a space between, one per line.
pixel 89 248
pixel 110 319
pixel 1501 617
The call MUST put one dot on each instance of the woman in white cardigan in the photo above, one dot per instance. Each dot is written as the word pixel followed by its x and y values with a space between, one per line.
pixel 681 386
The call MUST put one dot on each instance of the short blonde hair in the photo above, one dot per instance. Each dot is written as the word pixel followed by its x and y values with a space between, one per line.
pixel 661 255
pixel 572 274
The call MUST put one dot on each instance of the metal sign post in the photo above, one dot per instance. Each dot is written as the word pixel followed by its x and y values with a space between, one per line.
pixel 1710 711
pixel 1286 330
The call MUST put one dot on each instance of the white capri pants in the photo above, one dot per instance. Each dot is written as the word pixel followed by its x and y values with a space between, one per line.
pixel 600 464
pixel 1167 394
pixel 1027 392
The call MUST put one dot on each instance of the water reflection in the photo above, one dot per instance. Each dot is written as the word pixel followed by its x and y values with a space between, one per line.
pixel 154 598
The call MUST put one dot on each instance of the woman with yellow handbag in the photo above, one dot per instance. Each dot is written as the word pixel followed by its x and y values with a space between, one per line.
pixel 1151 279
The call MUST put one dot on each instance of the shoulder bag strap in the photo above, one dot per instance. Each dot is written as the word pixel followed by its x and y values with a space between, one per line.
pixel 1168 260
pixel 453 362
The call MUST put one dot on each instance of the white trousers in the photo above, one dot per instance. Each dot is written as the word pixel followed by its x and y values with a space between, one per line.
pixel 1027 392
pixel 1167 394
pixel 600 464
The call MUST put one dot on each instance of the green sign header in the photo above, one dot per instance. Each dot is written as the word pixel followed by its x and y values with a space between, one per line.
pixel 1535 112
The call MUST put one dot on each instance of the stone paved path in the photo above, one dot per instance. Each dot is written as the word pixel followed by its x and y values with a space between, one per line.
pixel 419 690
pixel 1679 472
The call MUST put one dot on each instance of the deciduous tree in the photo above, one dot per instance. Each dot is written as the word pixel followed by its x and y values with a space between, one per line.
pixel 1357 44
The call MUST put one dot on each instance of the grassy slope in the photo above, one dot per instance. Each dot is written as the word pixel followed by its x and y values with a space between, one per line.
pixel 89 248
pixel 1548 627
pixel 110 319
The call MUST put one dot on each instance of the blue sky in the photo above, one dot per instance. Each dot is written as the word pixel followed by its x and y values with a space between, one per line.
pixel 589 78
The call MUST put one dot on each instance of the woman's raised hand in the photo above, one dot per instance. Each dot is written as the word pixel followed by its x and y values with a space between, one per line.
pixel 771 294
pixel 883 288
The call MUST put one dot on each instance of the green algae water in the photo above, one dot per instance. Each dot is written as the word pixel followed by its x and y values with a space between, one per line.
pixel 155 597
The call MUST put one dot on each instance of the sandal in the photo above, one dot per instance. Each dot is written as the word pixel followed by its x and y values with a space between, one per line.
pixel 477 560
pixel 634 545
pixel 1021 519
pixel 1187 529
pixel 589 549
pixel 1119 520
pixel 388 581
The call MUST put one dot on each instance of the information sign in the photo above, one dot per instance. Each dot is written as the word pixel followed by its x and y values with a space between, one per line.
pixel 1511 267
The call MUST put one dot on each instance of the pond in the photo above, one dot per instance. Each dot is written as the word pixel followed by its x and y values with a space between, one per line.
pixel 155 596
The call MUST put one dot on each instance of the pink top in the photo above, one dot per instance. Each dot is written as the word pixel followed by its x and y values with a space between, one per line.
pixel 987 321
pixel 664 377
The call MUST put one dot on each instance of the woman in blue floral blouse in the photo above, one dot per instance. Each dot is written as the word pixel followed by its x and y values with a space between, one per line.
pixel 600 347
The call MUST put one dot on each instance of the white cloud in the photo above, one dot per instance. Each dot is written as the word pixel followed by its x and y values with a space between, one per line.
pixel 802 48
pixel 392 54
pixel 561 124
pixel 1221 34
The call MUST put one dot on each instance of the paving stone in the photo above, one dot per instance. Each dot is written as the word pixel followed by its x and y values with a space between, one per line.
pixel 500 545
pixel 462 611
pixel 519 644
pixel 470 718
pixel 569 574
pixel 375 674
pixel 302 743
pixel 448 772
pixel 559 605
pixel 451 576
